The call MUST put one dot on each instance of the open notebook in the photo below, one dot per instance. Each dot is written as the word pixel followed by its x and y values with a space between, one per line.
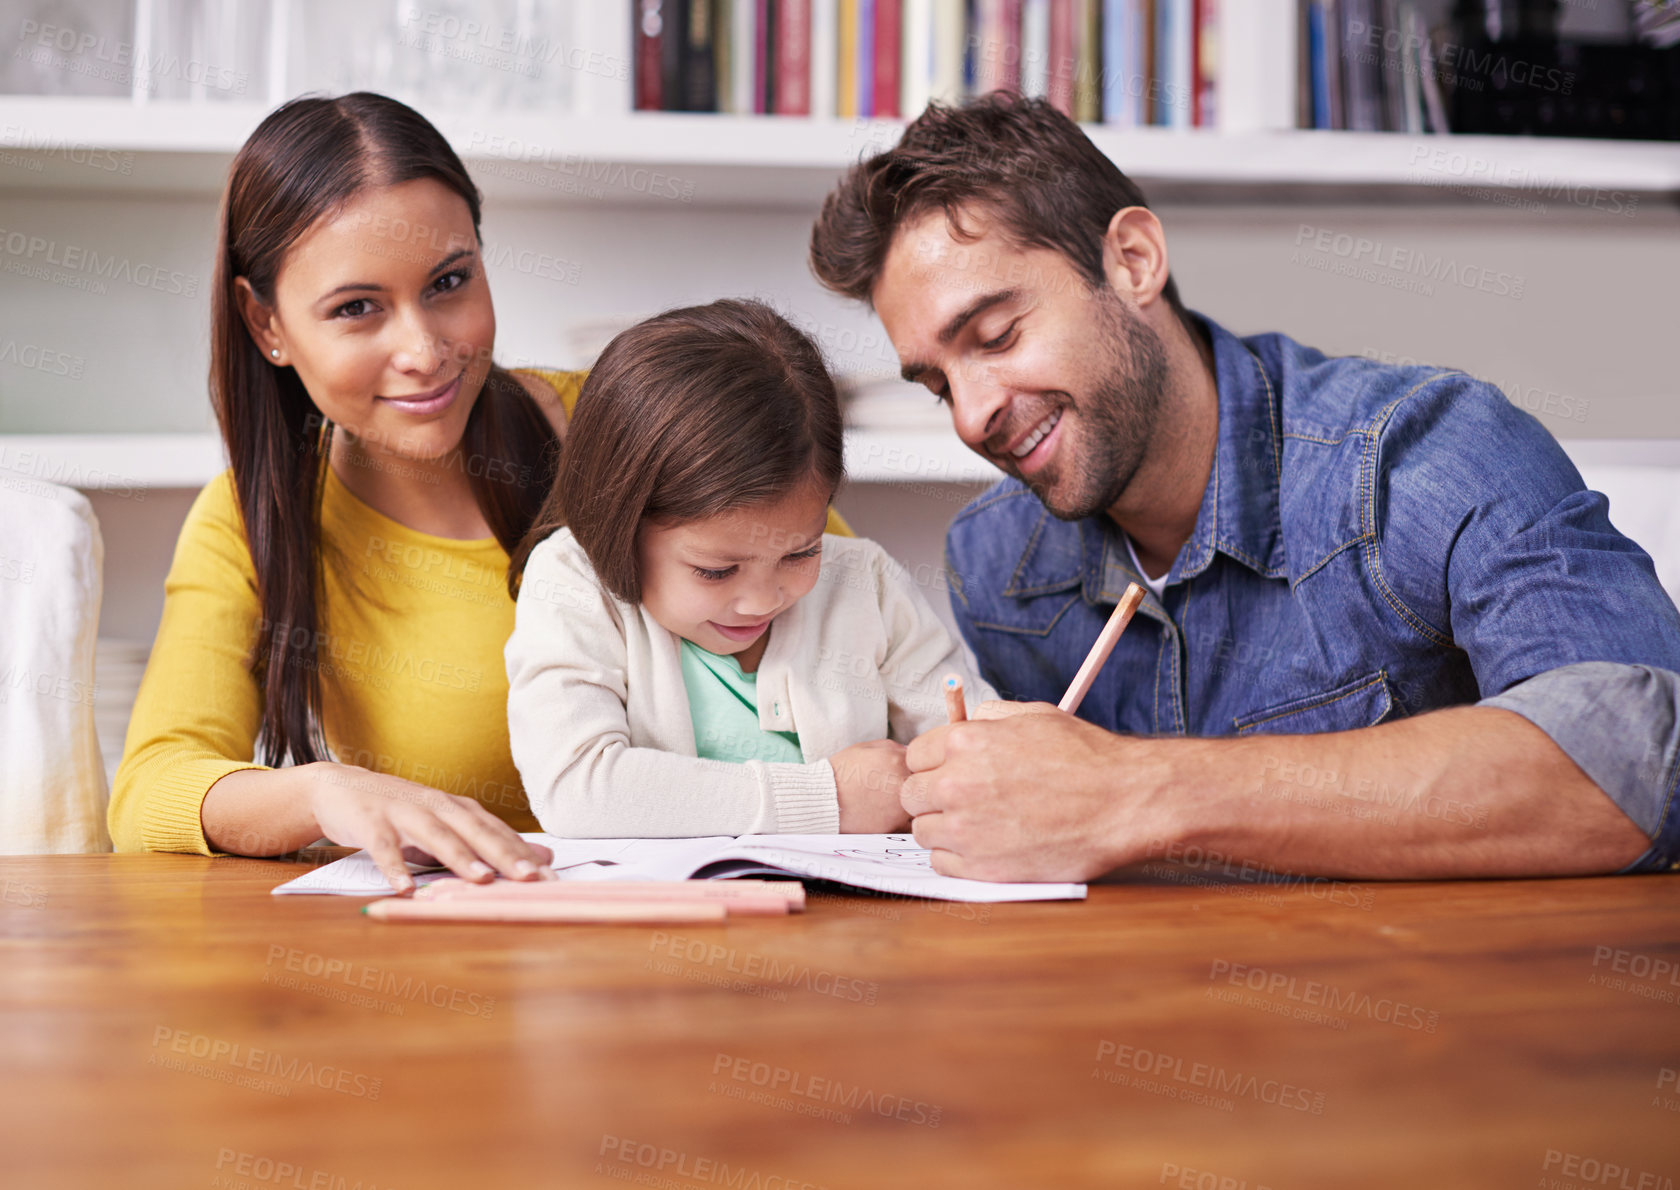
pixel 891 864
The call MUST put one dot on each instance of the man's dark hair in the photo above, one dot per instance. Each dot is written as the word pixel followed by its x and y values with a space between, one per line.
pixel 1018 160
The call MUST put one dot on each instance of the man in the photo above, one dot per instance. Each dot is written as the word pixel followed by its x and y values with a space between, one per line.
pixel 1332 547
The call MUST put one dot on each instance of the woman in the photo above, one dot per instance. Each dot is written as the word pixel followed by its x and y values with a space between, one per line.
pixel 337 601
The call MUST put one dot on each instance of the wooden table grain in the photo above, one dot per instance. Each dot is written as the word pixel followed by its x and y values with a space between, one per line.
pixel 169 1023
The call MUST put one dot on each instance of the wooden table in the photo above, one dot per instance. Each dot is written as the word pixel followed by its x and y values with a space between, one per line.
pixel 169 1023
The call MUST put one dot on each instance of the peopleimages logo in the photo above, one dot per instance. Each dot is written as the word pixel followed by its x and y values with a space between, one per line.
pixel 1579 1172
pixel 221 1059
pixel 1391 261
pixel 356 977
pixel 20 136
pixel 102 57
pixel 1312 993
pixel 781 1080
pixel 1455 59
pixel 646 1165
pixel 752 966
pixel 38 252
pixel 1194 1078
pixel 256 1170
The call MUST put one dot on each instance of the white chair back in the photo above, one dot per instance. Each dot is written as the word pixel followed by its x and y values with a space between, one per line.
pixel 52 780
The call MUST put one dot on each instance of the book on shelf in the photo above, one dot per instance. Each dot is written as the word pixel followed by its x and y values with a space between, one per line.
pixel 1205 85
pixel 1087 77
pixel 1035 48
pixel 646 41
pixel 1416 66
pixel 791 90
pixel 886 72
pixel 1121 62
pixel 1174 62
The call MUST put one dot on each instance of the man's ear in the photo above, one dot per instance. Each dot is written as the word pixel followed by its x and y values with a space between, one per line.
pixel 1135 255
pixel 260 321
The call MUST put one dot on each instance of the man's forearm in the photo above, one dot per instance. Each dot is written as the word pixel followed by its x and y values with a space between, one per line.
pixel 1469 791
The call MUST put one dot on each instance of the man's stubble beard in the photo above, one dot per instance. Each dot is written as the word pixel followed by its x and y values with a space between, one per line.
pixel 1117 418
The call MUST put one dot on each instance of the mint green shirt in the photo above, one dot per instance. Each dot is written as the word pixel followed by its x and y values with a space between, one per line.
pixel 723 703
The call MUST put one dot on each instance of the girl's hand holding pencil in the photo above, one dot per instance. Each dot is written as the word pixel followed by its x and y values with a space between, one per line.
pixel 868 777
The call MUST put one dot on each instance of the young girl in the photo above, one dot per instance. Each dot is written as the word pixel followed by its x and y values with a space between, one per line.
pixel 691 654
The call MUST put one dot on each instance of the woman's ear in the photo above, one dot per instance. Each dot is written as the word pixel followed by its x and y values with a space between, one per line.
pixel 1135 254
pixel 260 321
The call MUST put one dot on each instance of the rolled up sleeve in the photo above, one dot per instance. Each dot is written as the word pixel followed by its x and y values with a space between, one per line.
pixel 1621 724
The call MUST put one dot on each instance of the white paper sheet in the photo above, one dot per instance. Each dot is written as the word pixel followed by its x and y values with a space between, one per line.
pixel 891 864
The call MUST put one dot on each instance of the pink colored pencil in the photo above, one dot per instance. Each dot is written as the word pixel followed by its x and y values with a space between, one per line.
pixel 1106 640
pixel 622 912
pixel 763 899
pixel 791 891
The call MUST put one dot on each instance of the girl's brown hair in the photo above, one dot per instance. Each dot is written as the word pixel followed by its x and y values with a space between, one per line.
pixel 303 163
pixel 689 414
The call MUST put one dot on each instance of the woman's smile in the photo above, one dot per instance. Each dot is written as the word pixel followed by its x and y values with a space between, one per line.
pixel 421 404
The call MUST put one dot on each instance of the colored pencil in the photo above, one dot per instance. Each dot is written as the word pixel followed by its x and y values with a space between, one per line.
pixel 624 912
pixel 1106 640
pixel 790 890
pixel 955 711
pixel 765 900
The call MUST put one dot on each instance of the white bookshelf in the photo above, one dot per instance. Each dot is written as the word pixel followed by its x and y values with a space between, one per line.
pixel 113 462
pixel 716 160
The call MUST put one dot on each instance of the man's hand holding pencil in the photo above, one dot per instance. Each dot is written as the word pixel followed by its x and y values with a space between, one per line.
pixel 961 793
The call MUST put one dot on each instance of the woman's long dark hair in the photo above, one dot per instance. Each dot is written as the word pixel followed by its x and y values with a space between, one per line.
pixel 305 161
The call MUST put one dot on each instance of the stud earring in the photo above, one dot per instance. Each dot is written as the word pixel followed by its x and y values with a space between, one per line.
pixel 275 352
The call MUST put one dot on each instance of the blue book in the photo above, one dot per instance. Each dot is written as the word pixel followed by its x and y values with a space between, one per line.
pixel 971 69
pixel 866 58
pixel 1175 62
pixel 1113 61
pixel 1315 56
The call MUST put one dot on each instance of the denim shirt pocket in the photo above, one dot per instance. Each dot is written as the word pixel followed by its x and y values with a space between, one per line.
pixel 1363 702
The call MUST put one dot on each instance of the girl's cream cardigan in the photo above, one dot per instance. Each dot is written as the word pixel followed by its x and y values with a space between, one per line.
pixel 599 719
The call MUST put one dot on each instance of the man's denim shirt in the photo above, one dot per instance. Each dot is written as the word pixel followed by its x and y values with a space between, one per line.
pixel 1374 542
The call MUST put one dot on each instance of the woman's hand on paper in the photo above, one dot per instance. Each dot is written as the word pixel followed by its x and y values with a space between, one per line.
pixel 394 820
pixel 868 778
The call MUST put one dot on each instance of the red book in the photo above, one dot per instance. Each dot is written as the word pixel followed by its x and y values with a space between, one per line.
pixel 648 34
pixel 793 58
pixel 997 46
pixel 761 51
pixel 1064 56
pixel 889 43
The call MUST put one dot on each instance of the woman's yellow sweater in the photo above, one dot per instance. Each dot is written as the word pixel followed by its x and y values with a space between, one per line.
pixel 413 681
